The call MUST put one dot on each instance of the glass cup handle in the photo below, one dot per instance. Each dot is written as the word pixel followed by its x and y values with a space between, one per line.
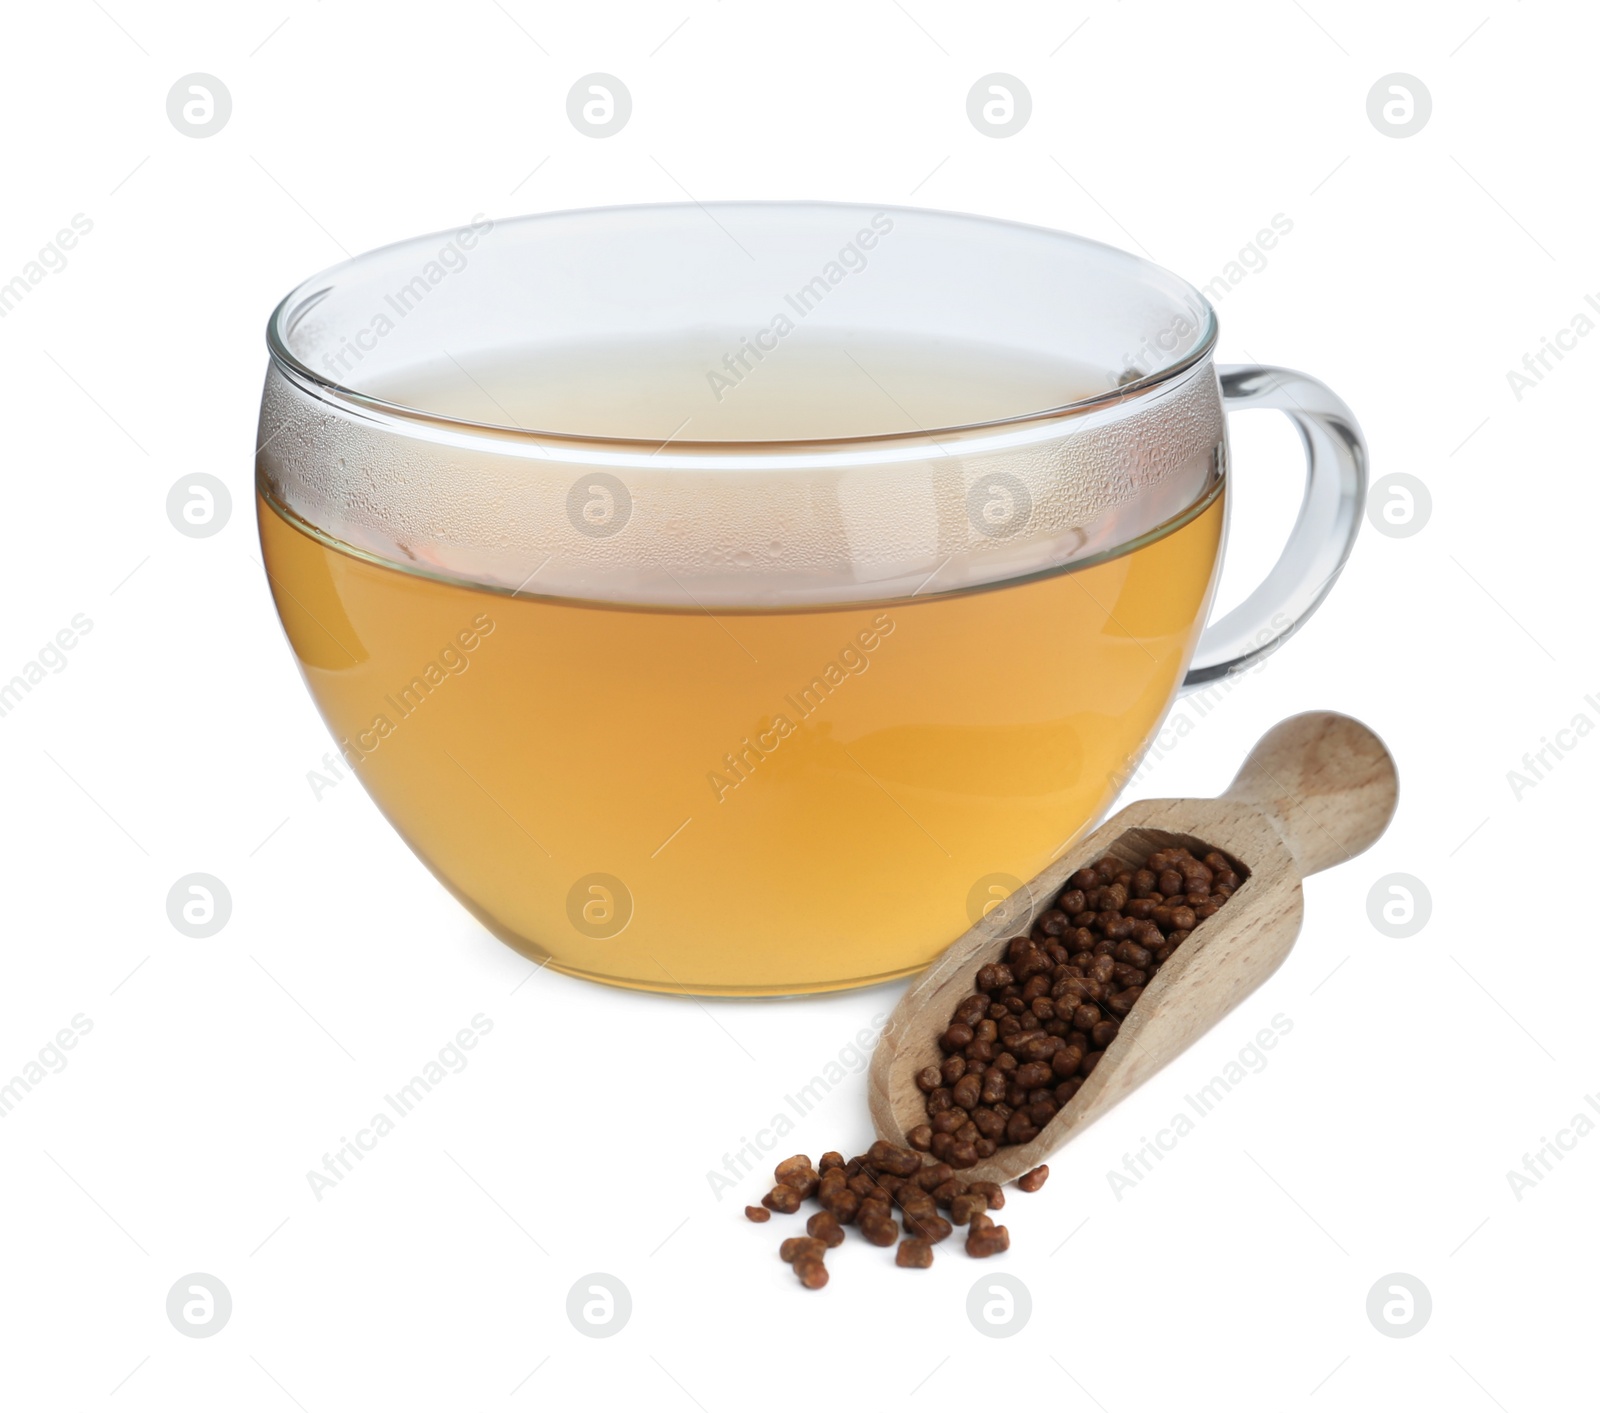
pixel 1324 531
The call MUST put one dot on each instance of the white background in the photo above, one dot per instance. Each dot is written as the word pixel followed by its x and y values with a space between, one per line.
pixel 178 737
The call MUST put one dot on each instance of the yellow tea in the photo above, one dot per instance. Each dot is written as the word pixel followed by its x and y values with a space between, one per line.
pixel 651 795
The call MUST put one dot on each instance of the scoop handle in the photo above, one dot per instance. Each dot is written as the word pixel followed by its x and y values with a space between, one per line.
pixel 1325 781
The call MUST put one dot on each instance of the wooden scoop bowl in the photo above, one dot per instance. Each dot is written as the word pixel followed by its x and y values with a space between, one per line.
pixel 1317 789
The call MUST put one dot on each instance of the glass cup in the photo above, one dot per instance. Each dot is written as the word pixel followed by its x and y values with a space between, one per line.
pixel 681 685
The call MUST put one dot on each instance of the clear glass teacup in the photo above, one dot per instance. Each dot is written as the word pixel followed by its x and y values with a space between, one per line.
pixel 738 598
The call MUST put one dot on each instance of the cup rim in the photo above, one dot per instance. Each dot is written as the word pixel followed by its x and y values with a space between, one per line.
pixel 305 296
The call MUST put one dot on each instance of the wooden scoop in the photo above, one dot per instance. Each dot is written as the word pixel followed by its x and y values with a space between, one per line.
pixel 1317 790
